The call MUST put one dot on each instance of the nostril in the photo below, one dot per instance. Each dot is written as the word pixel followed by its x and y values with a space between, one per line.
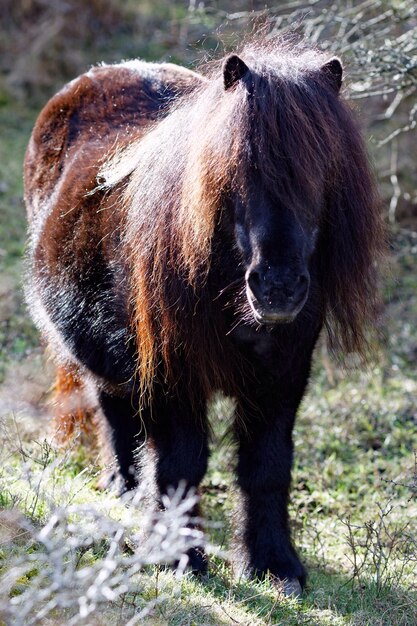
pixel 288 291
pixel 302 284
pixel 298 286
pixel 254 281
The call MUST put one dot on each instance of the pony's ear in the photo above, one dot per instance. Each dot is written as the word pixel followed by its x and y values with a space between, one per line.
pixel 333 73
pixel 233 70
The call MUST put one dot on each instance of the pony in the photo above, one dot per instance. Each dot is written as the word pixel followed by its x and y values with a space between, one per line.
pixel 194 232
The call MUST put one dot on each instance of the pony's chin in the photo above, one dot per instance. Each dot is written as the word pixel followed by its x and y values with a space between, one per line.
pixel 270 317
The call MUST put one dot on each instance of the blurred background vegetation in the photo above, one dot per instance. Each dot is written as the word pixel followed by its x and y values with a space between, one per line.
pixel 44 43
pixel 355 480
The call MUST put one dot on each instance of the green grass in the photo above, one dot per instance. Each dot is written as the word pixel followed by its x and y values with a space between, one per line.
pixel 354 471
pixel 17 335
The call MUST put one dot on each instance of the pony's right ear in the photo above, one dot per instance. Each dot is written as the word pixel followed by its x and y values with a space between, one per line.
pixel 234 69
pixel 333 72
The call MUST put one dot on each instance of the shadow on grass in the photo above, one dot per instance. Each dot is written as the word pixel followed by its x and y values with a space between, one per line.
pixel 330 599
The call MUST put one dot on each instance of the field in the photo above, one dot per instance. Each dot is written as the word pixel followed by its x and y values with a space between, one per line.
pixel 354 490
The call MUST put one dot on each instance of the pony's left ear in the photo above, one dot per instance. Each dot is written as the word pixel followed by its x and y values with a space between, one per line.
pixel 234 69
pixel 333 73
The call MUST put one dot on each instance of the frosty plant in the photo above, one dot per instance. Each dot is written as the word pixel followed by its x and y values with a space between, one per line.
pixel 61 570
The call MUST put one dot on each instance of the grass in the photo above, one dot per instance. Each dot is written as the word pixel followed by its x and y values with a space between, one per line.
pixel 17 335
pixel 354 482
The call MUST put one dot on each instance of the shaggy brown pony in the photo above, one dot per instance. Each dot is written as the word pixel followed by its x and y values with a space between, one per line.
pixel 190 234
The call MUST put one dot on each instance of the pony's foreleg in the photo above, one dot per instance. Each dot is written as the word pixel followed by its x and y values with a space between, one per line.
pixel 264 474
pixel 180 442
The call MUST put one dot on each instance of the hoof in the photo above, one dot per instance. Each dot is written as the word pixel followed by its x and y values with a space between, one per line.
pixel 197 562
pixel 289 587
pixel 114 482
pixel 106 481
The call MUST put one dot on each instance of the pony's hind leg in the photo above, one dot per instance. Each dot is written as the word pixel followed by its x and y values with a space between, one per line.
pixel 179 437
pixel 106 422
pixel 125 430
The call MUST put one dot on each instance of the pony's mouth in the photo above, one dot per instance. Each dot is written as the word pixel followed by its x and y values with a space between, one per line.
pixel 270 316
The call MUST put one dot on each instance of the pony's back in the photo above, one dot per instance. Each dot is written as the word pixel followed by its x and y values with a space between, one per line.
pixel 94 114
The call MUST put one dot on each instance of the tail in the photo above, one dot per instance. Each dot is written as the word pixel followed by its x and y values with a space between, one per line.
pixel 78 418
pixel 74 413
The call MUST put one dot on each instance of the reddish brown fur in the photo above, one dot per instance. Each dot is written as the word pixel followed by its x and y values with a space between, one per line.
pixel 72 416
pixel 75 133
pixel 171 233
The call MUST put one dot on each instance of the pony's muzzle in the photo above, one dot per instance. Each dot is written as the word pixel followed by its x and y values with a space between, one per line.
pixel 276 297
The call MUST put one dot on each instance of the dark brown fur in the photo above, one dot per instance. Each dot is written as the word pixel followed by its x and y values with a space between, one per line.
pixel 136 179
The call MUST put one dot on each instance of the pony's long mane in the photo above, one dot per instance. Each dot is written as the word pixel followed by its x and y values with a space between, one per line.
pixel 174 181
